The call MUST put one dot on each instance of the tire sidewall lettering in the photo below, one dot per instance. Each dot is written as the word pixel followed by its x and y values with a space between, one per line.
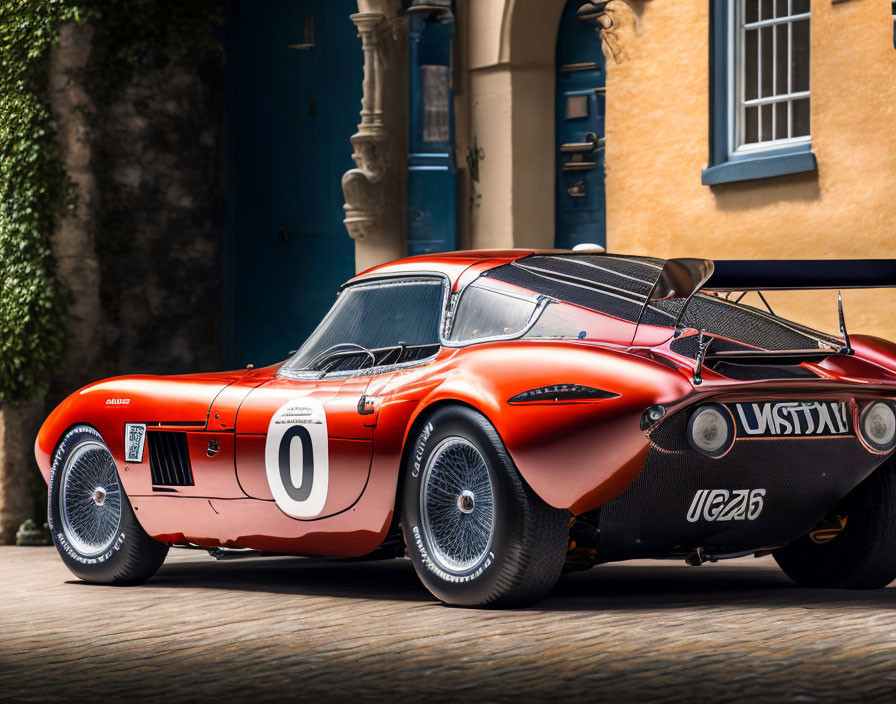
pixel 296 457
pixel 422 447
pixel 70 441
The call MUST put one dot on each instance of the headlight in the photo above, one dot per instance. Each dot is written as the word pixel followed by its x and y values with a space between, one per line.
pixel 878 425
pixel 711 430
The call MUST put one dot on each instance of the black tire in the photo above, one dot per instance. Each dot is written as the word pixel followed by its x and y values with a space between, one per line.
pixel 863 554
pixel 123 554
pixel 523 556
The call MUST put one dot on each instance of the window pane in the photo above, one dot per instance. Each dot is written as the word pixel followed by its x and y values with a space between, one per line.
pixel 781 8
pixel 751 10
pixel 751 64
pixel 766 52
pixel 561 320
pixel 781 120
pixel 436 90
pixel 766 122
pixel 376 316
pixel 799 7
pixel 483 313
pixel 800 117
pixel 800 54
pixel 781 59
pixel 751 125
pixel 766 11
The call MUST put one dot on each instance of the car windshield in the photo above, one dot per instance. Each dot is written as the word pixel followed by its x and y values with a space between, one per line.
pixel 395 319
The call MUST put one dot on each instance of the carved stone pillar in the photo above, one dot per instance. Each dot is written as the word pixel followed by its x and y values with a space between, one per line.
pixel 375 191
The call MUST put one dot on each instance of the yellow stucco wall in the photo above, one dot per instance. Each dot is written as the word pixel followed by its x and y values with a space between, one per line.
pixel 658 141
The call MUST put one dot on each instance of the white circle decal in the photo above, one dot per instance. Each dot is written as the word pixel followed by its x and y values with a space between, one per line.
pixel 296 457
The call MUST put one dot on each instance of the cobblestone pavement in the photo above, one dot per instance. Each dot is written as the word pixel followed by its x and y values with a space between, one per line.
pixel 271 628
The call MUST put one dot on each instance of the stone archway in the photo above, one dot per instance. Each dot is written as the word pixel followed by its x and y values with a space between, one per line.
pixel 525 50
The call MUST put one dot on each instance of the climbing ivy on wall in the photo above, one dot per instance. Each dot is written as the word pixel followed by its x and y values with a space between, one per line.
pixel 34 193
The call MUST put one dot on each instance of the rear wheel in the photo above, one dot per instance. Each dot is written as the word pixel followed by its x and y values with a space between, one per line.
pixel 855 546
pixel 91 520
pixel 477 535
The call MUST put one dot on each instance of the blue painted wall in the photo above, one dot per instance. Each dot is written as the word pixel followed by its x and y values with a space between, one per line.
pixel 581 103
pixel 290 114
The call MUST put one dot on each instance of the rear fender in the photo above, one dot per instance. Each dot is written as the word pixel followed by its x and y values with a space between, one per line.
pixel 578 455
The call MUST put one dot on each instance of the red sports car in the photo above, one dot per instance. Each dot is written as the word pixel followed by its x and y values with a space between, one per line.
pixel 501 416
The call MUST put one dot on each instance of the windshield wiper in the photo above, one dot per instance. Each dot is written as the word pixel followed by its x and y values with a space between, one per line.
pixel 326 359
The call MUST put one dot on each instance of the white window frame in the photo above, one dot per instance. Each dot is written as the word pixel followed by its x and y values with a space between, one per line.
pixel 736 100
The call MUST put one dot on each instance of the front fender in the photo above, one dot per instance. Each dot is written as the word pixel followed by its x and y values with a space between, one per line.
pixel 575 456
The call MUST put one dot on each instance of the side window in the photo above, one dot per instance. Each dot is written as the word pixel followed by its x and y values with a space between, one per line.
pixel 561 321
pixel 374 324
pixel 484 313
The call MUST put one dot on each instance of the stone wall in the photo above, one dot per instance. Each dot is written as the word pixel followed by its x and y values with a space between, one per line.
pixel 159 224
pixel 140 254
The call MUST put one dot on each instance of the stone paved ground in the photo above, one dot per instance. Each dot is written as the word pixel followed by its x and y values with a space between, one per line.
pixel 271 628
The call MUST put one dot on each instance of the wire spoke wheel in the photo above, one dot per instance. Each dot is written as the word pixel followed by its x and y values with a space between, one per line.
pixel 457 505
pixel 91 499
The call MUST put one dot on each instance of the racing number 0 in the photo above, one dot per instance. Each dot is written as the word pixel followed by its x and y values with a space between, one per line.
pixel 303 491
pixel 299 486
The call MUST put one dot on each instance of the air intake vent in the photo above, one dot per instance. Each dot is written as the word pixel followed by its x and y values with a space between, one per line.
pixel 169 459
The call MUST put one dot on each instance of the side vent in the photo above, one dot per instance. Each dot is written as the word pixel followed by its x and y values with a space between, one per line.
pixel 169 459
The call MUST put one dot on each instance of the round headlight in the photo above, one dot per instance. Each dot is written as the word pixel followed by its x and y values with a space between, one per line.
pixel 711 430
pixel 878 425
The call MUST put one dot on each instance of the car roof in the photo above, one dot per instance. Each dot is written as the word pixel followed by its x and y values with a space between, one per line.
pixel 450 264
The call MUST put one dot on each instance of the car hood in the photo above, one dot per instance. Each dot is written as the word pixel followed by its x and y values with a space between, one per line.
pixel 163 400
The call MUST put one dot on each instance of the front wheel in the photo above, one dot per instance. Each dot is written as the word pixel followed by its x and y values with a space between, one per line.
pixel 477 535
pixel 93 525
pixel 855 546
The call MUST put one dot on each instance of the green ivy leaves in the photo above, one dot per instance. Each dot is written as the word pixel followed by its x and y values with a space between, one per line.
pixel 34 193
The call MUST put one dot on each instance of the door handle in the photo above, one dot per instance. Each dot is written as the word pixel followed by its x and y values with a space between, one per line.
pixel 592 143
pixel 579 165
pixel 366 405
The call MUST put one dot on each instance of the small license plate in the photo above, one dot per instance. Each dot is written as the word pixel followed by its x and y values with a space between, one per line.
pixel 791 418
pixel 134 439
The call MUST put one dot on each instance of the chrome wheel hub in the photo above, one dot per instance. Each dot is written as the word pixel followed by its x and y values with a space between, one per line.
pixel 90 499
pixel 457 505
pixel 466 502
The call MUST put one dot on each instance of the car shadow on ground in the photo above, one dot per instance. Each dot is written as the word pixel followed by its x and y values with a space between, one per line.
pixel 621 586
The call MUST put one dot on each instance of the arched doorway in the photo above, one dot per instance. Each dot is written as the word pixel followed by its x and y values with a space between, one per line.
pixel 580 198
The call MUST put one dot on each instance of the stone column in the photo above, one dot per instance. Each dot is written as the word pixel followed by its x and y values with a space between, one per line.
pixel 18 428
pixel 375 191
pixel 73 243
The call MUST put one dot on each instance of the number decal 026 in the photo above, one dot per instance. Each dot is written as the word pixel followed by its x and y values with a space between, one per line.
pixel 296 457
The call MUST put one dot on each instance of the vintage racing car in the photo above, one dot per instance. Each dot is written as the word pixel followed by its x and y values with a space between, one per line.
pixel 500 416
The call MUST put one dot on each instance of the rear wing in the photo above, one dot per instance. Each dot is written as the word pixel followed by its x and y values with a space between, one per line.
pixel 683 278
pixel 794 274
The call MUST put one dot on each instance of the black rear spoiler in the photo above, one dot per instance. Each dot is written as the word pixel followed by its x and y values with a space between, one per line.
pixel 793 274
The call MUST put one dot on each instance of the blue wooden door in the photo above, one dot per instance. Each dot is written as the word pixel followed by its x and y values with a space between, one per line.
pixel 432 176
pixel 580 198
pixel 294 72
